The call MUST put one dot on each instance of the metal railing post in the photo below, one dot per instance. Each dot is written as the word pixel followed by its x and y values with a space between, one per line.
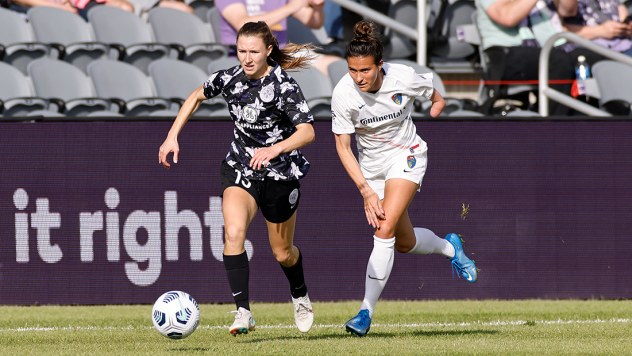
pixel 545 91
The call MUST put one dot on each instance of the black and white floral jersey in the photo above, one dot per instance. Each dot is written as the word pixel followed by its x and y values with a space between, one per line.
pixel 265 111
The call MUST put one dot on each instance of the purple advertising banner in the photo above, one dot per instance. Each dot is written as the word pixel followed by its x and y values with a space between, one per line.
pixel 89 216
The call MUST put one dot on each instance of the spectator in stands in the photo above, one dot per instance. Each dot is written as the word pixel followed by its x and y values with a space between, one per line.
pixel 141 7
pixel 601 22
pixel 512 33
pixel 83 6
pixel 235 13
pixel 60 4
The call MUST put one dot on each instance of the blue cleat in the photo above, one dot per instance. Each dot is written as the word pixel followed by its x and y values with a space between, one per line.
pixel 359 324
pixel 460 262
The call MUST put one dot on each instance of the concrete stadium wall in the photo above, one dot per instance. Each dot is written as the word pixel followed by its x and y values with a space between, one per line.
pixel 88 216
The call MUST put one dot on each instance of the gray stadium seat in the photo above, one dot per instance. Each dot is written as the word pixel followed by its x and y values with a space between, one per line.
pixel 119 80
pixel 116 26
pixel 177 79
pixel 52 25
pixel 55 79
pixel 299 33
pixel 336 71
pixel 465 113
pixel 18 41
pixel 195 38
pixel 201 8
pixel 523 113
pixel 213 19
pixel 455 55
pixel 17 97
pixel 316 88
pixel 613 79
pixel 222 63
pixel 400 46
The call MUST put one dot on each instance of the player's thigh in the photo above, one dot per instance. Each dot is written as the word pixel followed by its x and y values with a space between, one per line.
pixel 398 193
pixel 239 209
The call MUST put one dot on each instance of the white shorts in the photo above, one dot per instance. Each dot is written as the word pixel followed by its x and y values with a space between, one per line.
pixel 407 164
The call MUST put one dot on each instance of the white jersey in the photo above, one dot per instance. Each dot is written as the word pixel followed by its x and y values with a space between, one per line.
pixel 381 120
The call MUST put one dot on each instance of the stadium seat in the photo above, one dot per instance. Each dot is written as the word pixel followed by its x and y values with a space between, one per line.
pixel 400 46
pixel 466 113
pixel 214 19
pixel 177 79
pixel 336 71
pixel 454 56
pixel 56 26
pixel 613 79
pixel 222 63
pixel 17 42
pixel 299 33
pixel 201 8
pixel 55 79
pixel 316 88
pixel 523 113
pixel 122 81
pixel 194 39
pixel 17 97
pixel 116 26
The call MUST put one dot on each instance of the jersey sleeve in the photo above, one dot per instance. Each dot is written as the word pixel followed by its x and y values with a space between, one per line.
pixel 421 84
pixel 340 115
pixel 294 104
pixel 214 84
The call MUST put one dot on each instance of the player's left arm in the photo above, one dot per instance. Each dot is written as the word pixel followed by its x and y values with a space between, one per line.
pixel 438 104
pixel 303 136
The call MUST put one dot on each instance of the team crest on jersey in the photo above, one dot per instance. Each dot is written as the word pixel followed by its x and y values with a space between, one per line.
pixel 249 114
pixel 397 98
pixel 412 161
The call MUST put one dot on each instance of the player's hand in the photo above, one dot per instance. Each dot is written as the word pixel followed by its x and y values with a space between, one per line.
pixel 438 104
pixel 373 207
pixel 170 145
pixel 263 156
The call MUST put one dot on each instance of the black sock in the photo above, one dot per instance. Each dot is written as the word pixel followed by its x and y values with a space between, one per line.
pixel 296 278
pixel 238 272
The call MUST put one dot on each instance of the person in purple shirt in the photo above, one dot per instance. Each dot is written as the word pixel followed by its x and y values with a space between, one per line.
pixel 602 22
pixel 235 13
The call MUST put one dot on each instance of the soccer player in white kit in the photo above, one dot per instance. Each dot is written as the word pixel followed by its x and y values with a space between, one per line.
pixel 375 101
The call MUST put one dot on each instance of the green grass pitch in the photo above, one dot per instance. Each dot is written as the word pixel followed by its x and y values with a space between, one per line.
pixel 490 327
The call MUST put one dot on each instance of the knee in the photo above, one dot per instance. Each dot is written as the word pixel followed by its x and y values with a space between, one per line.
pixel 234 235
pixel 283 256
pixel 387 230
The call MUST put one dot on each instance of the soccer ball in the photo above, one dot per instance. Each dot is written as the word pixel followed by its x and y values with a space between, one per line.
pixel 175 314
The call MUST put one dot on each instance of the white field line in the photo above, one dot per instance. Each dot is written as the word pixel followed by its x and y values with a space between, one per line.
pixel 330 326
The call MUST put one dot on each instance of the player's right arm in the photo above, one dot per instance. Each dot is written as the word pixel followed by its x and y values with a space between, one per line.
pixel 171 142
pixel 372 204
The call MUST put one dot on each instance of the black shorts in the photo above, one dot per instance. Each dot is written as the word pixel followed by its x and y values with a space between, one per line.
pixel 277 199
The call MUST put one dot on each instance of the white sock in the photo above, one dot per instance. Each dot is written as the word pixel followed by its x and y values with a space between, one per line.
pixel 377 271
pixel 428 242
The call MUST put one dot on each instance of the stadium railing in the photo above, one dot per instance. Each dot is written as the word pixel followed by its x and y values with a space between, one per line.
pixel 546 92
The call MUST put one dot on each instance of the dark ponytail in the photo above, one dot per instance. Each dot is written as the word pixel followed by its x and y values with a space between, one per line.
pixel 365 43
pixel 286 57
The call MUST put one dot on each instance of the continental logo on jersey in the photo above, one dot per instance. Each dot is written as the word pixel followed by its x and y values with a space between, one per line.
pixel 382 118
pixel 397 98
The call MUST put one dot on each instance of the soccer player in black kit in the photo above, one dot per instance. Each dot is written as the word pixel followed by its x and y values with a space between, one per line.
pixel 264 164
